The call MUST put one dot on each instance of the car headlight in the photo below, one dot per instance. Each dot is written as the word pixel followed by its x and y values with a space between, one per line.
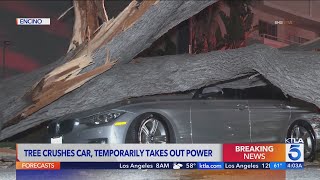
pixel 101 118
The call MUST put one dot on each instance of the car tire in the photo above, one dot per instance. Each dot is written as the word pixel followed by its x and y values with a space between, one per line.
pixel 308 137
pixel 138 131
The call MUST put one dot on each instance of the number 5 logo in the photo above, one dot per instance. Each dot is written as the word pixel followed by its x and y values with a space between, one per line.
pixel 294 152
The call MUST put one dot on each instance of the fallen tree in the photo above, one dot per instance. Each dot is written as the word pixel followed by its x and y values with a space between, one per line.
pixel 293 72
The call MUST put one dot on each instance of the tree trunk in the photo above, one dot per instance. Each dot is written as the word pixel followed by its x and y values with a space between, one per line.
pixel 293 72
pixel 121 39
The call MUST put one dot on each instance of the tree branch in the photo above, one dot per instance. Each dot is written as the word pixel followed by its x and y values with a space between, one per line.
pixel 64 13
pixel 87 15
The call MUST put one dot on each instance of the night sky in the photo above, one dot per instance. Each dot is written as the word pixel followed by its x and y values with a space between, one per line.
pixel 35 46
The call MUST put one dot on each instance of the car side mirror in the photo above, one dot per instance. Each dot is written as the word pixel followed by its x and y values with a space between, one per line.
pixel 288 98
pixel 213 89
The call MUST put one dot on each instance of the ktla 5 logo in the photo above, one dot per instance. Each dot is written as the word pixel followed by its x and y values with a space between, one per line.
pixel 295 152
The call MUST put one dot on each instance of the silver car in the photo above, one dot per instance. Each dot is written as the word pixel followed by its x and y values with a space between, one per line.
pixel 207 115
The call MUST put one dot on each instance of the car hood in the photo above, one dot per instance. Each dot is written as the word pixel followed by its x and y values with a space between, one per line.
pixel 145 99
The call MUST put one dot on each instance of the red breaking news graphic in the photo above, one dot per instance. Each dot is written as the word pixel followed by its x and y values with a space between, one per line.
pixel 254 152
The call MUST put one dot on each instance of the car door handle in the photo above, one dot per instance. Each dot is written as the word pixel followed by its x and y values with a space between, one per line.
pixel 283 106
pixel 242 107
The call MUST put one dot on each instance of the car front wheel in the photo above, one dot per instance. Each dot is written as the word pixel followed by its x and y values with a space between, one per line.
pixel 302 130
pixel 149 129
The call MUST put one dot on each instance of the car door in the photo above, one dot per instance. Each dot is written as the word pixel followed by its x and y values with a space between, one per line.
pixel 269 114
pixel 220 119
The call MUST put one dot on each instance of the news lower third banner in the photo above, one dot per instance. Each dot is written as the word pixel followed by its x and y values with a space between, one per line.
pixel 159 156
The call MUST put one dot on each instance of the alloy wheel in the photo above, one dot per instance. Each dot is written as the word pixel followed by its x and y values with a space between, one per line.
pixel 152 131
pixel 301 132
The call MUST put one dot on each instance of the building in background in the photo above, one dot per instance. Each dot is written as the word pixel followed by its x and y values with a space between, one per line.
pixel 282 23
pixel 279 23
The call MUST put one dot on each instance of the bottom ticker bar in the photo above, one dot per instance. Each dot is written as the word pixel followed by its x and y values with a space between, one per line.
pixel 160 165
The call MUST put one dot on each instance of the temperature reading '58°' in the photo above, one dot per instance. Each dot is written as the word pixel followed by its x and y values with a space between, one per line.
pixel 190 165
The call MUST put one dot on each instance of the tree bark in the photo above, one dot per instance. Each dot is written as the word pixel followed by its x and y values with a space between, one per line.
pixel 135 30
pixel 131 32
